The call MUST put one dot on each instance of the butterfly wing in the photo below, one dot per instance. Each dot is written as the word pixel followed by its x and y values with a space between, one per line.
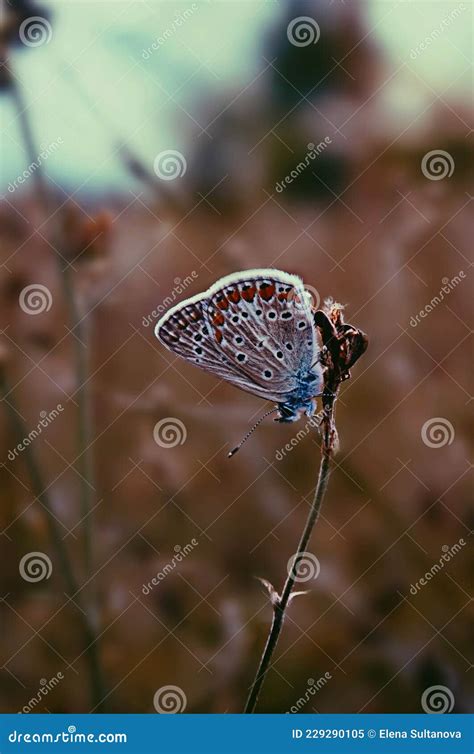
pixel 252 328
pixel 184 330
pixel 263 322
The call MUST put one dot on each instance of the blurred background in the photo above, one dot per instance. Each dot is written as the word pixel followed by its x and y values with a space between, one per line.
pixel 147 149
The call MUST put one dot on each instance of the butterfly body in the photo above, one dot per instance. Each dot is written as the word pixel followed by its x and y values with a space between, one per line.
pixel 303 400
pixel 254 329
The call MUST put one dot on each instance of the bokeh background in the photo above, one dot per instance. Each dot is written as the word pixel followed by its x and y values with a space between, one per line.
pixel 144 149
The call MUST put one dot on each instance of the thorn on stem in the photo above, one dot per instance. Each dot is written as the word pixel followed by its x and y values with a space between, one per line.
pixel 274 596
pixel 297 594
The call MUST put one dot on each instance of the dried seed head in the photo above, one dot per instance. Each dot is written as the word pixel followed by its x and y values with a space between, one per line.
pixel 86 239
pixel 335 312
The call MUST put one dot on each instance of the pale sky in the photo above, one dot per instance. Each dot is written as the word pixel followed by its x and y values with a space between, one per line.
pixel 100 58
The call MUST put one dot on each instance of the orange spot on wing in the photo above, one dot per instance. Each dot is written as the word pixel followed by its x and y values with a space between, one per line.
pixel 217 335
pixel 248 292
pixel 222 302
pixel 266 291
pixel 233 296
pixel 218 319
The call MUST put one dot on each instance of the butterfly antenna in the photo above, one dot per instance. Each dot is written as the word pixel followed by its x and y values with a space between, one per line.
pixel 237 447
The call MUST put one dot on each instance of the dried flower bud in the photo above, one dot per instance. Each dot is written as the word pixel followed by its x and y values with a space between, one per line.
pixel 85 238
pixel 95 235
pixel 334 310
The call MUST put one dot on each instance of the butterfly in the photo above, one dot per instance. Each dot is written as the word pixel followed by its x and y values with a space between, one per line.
pixel 254 329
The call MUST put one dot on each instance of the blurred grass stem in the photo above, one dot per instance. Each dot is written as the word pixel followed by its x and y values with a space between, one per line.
pixel 84 462
pixel 39 490
pixel 80 341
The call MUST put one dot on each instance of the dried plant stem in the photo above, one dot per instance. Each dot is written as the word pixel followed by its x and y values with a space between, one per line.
pixel 84 461
pixel 281 603
pixel 80 341
pixel 39 490
pixel 343 344
pixel 84 430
